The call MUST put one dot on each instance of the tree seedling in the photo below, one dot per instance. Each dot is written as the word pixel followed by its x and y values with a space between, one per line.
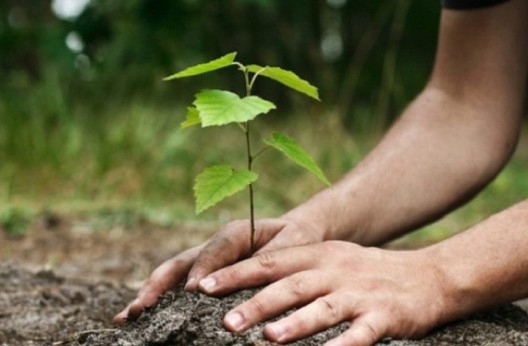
pixel 221 107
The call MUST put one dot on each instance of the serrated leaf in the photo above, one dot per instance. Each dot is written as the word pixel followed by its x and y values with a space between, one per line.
pixel 218 182
pixel 192 118
pixel 210 66
pixel 292 150
pixel 287 78
pixel 220 107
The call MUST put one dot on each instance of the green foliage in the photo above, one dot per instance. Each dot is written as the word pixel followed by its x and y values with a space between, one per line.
pixel 287 78
pixel 292 150
pixel 218 182
pixel 192 118
pixel 225 61
pixel 125 45
pixel 219 107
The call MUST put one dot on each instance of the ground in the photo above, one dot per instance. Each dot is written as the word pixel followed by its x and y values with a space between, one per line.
pixel 62 282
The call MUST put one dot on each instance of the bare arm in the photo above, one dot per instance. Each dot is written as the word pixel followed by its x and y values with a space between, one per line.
pixel 486 265
pixel 450 141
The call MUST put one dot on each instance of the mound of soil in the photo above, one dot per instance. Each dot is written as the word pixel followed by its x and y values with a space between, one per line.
pixel 183 318
pixel 40 308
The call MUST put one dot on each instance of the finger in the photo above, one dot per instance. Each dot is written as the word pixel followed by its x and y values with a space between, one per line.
pixel 229 245
pixel 166 276
pixel 121 317
pixel 261 269
pixel 321 314
pixel 293 233
pixel 278 297
pixel 365 331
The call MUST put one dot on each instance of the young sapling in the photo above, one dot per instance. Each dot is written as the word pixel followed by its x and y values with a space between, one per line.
pixel 213 107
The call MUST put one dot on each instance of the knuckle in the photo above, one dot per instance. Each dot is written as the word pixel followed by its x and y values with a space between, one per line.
pixel 235 226
pixel 330 308
pixel 333 246
pixel 259 306
pixel 370 330
pixel 298 323
pixel 267 260
pixel 216 246
pixel 230 274
pixel 296 287
pixel 371 333
pixel 221 239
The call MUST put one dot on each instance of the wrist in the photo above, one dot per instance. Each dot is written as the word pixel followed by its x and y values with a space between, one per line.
pixel 312 214
pixel 460 291
pixel 323 214
pixel 447 303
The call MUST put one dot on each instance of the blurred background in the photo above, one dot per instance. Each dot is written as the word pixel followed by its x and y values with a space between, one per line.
pixel 88 125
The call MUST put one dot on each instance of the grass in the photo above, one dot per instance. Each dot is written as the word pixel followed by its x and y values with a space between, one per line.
pixel 131 163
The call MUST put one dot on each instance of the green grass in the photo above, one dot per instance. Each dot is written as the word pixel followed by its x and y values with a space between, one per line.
pixel 131 163
pixel 133 157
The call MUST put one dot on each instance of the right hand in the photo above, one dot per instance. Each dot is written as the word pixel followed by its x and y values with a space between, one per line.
pixel 226 247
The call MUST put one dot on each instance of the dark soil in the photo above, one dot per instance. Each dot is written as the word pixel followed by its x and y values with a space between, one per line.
pixel 194 319
pixel 73 304
pixel 43 309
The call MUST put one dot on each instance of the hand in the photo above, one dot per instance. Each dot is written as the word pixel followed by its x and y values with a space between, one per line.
pixel 383 293
pixel 226 247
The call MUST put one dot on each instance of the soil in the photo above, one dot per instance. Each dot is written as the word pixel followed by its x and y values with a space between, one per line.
pixel 194 319
pixel 62 283
pixel 43 309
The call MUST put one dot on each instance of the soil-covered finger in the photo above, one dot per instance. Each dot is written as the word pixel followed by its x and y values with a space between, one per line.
pixel 291 234
pixel 168 275
pixel 229 245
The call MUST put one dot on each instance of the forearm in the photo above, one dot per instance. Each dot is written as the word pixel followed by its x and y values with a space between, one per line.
pixel 450 141
pixel 439 154
pixel 486 265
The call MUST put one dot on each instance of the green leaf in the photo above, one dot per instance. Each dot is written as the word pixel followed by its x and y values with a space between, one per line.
pixel 292 150
pixel 213 65
pixel 218 182
pixel 192 118
pixel 287 78
pixel 219 107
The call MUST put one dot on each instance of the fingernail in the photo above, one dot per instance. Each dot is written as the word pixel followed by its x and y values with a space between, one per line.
pixel 190 284
pixel 277 331
pixel 235 320
pixel 208 284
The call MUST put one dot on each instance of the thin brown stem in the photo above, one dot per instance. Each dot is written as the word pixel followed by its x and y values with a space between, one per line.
pixel 261 151
pixel 251 203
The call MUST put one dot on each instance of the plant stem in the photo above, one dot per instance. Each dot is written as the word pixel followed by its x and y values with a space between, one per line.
pixel 249 86
pixel 251 203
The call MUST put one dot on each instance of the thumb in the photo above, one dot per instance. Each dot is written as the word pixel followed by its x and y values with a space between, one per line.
pixel 292 233
pixel 231 244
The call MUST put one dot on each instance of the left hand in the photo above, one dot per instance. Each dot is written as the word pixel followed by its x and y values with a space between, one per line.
pixel 383 293
pixel 226 247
